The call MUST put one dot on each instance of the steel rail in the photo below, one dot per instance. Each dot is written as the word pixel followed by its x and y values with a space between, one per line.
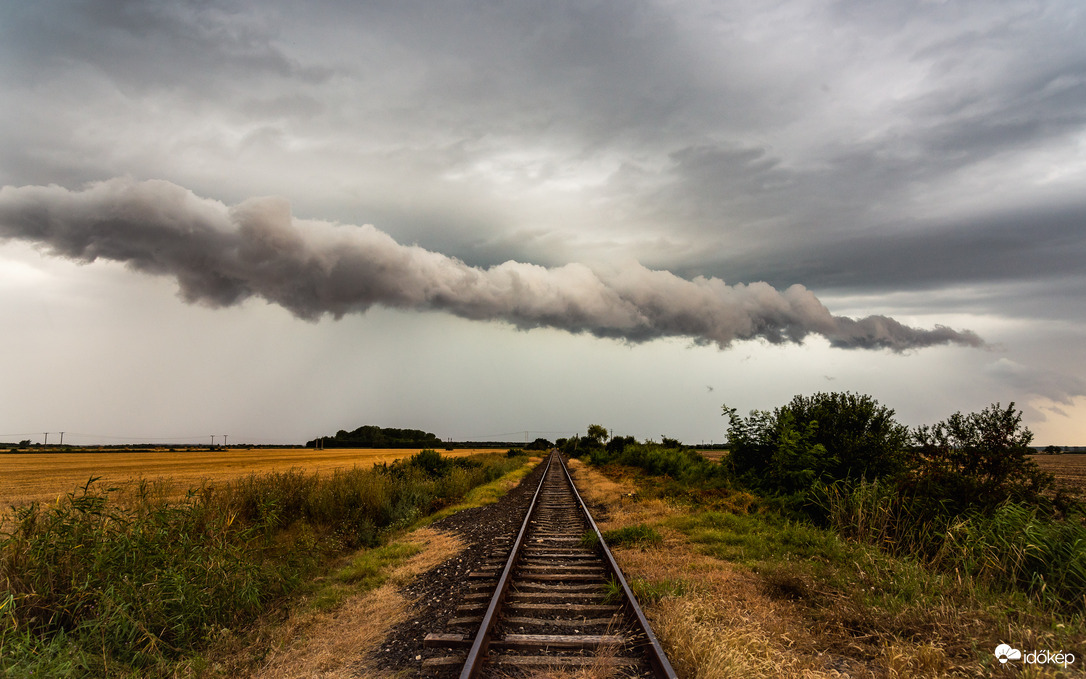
pixel 651 646
pixel 656 654
pixel 479 647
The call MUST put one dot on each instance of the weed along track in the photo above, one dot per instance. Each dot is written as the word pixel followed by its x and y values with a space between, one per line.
pixel 549 598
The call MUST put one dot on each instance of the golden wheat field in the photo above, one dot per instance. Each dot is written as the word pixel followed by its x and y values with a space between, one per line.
pixel 42 477
pixel 1069 470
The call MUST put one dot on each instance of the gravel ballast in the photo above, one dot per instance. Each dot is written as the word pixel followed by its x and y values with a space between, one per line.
pixel 439 591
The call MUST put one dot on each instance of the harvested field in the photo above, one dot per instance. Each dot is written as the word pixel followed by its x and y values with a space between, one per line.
pixel 713 454
pixel 1069 470
pixel 42 477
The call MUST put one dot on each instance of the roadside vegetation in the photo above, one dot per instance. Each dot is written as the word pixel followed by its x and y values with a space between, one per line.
pixel 905 552
pixel 128 582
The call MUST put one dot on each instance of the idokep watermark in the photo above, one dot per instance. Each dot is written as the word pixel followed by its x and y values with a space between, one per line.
pixel 1006 654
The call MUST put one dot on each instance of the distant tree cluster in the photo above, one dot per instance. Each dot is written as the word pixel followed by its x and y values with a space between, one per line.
pixel 596 439
pixel 371 436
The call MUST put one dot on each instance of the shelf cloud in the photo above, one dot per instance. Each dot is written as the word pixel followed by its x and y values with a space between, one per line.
pixel 221 255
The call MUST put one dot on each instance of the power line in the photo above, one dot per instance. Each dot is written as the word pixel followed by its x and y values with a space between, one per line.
pixel 193 438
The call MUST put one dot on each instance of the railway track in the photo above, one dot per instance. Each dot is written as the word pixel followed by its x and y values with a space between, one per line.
pixel 551 598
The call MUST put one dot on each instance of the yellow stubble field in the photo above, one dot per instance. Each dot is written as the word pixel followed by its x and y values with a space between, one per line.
pixel 1069 470
pixel 42 477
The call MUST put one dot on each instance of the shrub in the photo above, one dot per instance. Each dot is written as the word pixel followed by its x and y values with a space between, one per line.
pixel 979 461
pixel 1012 546
pixel 430 461
pixel 861 437
pixel 1021 547
pixel 974 503
pixel 819 438
pixel 770 452
pixel 677 463
pixel 618 444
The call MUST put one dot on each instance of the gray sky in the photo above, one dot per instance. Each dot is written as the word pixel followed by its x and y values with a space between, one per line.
pixel 273 221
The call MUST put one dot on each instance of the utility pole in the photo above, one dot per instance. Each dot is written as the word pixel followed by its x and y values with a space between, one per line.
pixel 224 440
pixel 212 440
pixel 61 438
pixel 46 439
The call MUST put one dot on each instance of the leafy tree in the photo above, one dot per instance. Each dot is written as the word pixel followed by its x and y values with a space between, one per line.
pixel 670 443
pixel 597 433
pixel 1053 450
pixel 979 460
pixel 371 436
pixel 772 452
pixel 620 443
pixel 573 446
pixel 539 444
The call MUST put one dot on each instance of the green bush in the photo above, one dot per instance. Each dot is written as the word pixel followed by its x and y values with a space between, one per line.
pixel 968 499
pixel 861 437
pixel 429 461
pixel 979 462
pixel 820 438
pixel 677 463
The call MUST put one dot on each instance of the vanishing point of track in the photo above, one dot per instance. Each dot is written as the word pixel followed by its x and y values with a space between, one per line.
pixel 550 599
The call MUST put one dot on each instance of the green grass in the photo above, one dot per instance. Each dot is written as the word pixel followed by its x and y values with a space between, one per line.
pixel 1013 548
pixel 751 539
pixel 638 535
pixel 590 539
pixel 646 591
pixel 368 569
pixel 841 584
pixel 485 494
pixel 793 556
pixel 649 592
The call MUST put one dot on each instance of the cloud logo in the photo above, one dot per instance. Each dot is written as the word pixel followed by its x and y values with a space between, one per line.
pixel 1004 653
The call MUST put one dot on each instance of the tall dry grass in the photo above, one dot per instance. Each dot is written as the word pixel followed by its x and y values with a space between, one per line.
pixel 1014 547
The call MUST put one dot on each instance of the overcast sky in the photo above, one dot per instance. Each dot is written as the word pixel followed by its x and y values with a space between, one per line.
pixel 275 220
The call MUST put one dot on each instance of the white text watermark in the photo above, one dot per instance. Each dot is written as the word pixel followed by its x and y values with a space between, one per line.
pixel 1005 653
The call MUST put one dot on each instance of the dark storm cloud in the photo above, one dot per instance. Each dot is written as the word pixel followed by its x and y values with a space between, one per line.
pixel 1045 243
pixel 153 45
pixel 797 142
pixel 221 256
